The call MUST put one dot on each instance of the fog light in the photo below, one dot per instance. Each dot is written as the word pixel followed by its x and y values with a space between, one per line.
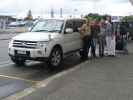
pixel 39 52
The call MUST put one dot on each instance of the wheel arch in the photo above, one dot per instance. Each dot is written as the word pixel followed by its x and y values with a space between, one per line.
pixel 57 46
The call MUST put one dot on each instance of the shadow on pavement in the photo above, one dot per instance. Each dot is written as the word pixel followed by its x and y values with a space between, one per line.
pixel 40 71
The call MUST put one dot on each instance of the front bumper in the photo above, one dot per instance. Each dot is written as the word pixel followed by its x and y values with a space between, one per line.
pixel 29 54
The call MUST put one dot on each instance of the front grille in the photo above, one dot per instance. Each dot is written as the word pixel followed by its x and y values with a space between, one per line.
pixel 25 44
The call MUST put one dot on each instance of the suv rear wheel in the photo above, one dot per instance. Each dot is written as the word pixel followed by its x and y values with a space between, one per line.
pixel 55 58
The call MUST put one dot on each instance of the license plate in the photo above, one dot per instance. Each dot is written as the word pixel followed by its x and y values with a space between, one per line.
pixel 21 52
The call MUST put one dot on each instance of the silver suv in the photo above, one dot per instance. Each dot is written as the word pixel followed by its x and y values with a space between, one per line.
pixel 49 40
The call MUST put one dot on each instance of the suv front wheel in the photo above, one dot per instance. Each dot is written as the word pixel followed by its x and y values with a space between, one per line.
pixel 55 58
pixel 18 61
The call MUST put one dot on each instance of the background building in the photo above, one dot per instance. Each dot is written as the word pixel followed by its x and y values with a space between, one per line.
pixel 5 20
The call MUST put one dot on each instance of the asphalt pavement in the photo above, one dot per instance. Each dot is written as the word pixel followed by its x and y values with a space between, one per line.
pixel 96 79
pixel 11 86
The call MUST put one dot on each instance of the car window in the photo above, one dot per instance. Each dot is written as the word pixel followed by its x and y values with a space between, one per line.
pixel 69 24
pixel 77 25
pixel 74 24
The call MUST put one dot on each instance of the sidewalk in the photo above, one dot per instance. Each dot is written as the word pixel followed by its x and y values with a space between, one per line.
pixel 97 79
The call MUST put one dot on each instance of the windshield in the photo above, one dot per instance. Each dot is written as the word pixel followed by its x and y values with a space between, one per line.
pixel 50 25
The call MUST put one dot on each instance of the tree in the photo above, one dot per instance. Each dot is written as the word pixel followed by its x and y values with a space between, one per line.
pixel 29 16
pixel 95 16
pixel 127 19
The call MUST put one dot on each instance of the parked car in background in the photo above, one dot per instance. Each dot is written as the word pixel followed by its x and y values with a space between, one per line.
pixel 49 40
pixel 21 24
pixel 130 30
pixel 17 24
pixel 124 28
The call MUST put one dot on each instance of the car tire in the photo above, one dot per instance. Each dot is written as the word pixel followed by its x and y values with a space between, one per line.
pixel 81 53
pixel 55 58
pixel 18 61
pixel 131 37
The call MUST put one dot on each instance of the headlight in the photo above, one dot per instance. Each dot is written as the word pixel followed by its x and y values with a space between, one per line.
pixel 42 44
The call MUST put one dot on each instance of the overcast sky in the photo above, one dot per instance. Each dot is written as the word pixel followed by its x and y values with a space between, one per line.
pixel 42 7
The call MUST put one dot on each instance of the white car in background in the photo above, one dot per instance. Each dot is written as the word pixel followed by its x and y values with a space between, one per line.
pixel 49 40
pixel 17 24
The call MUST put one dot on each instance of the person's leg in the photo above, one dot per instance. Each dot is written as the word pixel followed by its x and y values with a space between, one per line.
pixel 94 42
pixel 108 41
pixel 114 45
pixel 107 45
pixel 93 47
pixel 84 47
pixel 112 49
pixel 125 46
pixel 89 45
pixel 100 47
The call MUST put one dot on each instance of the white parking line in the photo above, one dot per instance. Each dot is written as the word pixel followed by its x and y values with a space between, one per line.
pixel 5 65
pixel 5 62
pixel 41 84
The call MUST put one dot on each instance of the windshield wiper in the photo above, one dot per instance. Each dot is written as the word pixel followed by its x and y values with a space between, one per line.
pixel 41 31
pixel 53 30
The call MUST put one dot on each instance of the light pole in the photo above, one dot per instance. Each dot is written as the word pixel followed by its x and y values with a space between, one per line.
pixel 75 10
pixel 52 13
pixel 94 6
pixel 61 12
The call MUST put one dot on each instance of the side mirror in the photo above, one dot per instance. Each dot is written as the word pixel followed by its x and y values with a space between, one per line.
pixel 69 30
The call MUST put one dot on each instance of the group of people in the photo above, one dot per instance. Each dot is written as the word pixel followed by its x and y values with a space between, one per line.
pixel 93 31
